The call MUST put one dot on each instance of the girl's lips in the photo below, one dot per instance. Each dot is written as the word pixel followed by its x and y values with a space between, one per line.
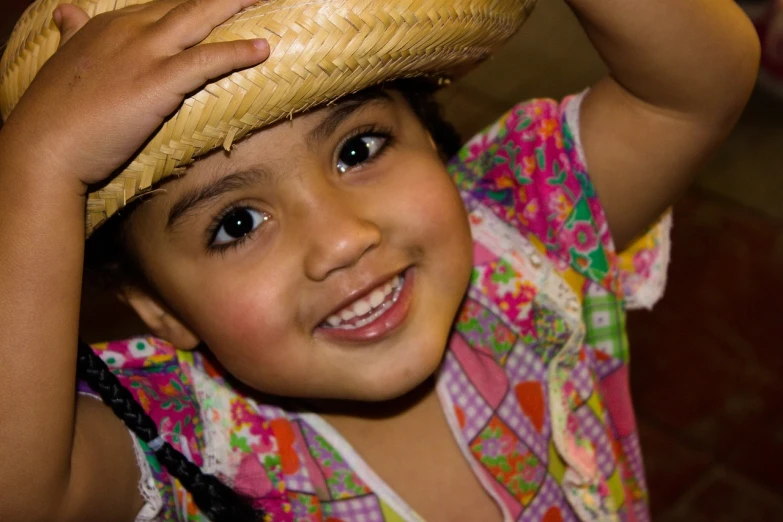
pixel 392 318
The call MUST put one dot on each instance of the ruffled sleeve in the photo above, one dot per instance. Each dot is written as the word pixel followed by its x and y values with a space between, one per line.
pixel 529 168
pixel 149 369
pixel 203 418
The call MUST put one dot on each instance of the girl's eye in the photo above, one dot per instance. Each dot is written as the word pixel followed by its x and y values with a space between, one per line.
pixel 358 150
pixel 237 224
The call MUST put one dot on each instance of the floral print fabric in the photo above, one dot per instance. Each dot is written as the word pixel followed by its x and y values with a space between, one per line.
pixel 535 378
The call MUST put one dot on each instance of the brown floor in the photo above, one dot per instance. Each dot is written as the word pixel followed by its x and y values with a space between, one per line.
pixel 707 360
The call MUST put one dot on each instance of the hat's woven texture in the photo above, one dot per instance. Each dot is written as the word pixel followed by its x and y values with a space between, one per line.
pixel 321 50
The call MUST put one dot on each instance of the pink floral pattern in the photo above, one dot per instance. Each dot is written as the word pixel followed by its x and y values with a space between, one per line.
pixel 535 375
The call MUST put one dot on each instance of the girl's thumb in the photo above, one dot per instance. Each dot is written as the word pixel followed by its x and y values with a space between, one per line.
pixel 69 19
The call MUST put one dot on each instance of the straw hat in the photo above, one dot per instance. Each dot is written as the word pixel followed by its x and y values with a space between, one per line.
pixel 337 47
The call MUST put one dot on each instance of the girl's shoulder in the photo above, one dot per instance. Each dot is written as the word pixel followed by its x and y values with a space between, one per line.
pixel 202 416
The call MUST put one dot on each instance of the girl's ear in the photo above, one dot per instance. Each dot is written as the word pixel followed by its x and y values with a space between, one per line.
pixel 159 319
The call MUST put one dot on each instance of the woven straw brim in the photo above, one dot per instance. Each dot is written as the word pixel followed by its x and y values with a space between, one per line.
pixel 321 50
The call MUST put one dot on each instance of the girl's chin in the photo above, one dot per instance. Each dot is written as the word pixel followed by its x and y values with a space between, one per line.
pixel 389 392
pixel 393 385
pixel 376 402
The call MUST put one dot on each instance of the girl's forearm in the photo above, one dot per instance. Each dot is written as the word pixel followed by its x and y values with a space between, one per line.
pixel 42 238
pixel 689 56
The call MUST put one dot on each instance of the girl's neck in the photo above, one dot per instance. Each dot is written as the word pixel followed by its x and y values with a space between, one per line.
pixel 371 427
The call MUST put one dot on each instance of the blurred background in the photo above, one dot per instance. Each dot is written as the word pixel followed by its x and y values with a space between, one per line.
pixel 706 363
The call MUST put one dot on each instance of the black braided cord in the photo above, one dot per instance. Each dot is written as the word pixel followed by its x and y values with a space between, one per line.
pixel 216 500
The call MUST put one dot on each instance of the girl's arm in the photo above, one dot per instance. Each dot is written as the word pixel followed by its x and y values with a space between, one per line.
pixel 91 106
pixel 42 446
pixel 680 73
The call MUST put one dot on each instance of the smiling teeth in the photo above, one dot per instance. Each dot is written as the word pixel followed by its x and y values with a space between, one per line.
pixel 368 308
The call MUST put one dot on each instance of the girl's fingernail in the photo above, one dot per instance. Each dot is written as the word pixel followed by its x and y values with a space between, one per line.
pixel 261 44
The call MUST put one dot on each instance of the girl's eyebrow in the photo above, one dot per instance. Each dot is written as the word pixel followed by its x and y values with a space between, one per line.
pixel 193 199
pixel 342 111
pixel 197 197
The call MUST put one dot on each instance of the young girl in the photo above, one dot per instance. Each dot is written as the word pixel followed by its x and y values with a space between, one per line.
pixel 344 327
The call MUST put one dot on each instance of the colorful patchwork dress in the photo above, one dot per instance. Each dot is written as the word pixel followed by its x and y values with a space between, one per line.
pixel 534 384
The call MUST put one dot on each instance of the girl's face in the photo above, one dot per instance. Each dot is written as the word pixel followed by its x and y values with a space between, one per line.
pixel 285 255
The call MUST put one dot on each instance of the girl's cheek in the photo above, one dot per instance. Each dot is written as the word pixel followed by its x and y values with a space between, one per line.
pixel 433 201
pixel 442 223
pixel 248 319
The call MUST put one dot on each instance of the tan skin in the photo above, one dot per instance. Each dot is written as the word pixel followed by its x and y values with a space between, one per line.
pixel 259 301
pixel 681 72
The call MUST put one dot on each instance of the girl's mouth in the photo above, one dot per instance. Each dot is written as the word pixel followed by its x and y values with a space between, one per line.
pixel 367 309
pixel 373 315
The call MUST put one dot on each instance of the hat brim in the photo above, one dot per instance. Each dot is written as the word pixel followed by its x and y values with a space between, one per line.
pixel 321 50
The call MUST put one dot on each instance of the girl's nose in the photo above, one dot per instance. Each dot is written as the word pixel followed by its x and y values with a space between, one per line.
pixel 337 235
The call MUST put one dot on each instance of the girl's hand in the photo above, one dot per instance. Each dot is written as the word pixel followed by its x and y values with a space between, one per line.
pixel 95 102
pixel 115 78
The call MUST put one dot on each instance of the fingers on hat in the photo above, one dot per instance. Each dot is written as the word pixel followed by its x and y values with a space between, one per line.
pixel 190 21
pixel 196 66
pixel 69 19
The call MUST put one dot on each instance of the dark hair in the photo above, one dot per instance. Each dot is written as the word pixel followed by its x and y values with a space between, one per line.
pixel 109 262
pixel 420 95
